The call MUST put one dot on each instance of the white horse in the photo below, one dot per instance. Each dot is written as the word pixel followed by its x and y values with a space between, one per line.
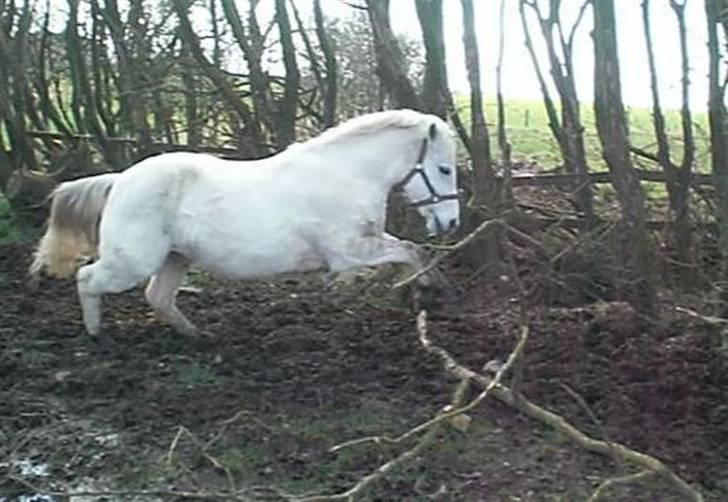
pixel 319 205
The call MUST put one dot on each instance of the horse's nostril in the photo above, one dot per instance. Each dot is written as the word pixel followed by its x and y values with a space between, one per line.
pixel 453 223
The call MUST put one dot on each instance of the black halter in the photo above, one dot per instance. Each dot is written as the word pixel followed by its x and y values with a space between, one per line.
pixel 434 197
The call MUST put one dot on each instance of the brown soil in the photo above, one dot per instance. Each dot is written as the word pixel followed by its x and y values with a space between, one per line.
pixel 298 365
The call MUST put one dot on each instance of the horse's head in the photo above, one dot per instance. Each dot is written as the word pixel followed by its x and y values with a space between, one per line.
pixel 431 186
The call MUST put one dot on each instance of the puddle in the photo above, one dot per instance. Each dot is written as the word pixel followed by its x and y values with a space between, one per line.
pixel 40 472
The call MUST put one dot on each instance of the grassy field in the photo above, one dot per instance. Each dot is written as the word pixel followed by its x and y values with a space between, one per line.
pixel 532 141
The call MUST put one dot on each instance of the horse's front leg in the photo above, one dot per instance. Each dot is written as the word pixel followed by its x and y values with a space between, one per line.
pixel 371 251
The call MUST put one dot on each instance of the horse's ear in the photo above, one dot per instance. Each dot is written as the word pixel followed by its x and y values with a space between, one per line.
pixel 433 131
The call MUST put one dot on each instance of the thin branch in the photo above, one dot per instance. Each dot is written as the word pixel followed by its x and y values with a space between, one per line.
pixel 462 243
pixel 718 321
pixel 450 412
pixel 425 441
pixel 623 480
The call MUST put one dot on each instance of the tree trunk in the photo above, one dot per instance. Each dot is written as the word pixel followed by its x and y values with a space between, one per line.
pixel 251 44
pixel 568 130
pixel 330 81
pixel 390 61
pixel 635 249
pixel 678 178
pixel 13 92
pixel 718 135
pixel 435 94
pixel 503 144
pixel 486 188
pixel 244 126
pixel 288 103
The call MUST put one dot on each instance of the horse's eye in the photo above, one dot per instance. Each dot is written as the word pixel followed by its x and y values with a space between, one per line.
pixel 446 170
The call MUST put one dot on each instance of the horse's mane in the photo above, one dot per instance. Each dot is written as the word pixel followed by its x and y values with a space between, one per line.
pixel 370 124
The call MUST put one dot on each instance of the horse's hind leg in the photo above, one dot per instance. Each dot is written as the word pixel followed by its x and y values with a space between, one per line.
pixel 99 278
pixel 161 293
pixel 118 269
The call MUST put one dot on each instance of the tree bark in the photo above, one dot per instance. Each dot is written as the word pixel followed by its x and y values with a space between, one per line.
pixel 678 177
pixel 715 14
pixel 390 61
pixel 435 94
pixel 485 181
pixel 14 91
pixel 634 247
pixel 486 186
pixel 330 89
pixel 288 103
pixel 503 144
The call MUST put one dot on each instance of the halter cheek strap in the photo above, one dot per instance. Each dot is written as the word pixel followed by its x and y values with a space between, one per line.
pixel 419 169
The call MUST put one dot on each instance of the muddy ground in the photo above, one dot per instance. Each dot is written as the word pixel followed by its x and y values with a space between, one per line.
pixel 299 365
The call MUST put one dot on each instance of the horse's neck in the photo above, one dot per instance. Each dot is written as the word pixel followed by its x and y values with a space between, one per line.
pixel 382 159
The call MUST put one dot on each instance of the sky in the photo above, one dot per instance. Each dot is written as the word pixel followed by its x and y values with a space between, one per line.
pixel 519 79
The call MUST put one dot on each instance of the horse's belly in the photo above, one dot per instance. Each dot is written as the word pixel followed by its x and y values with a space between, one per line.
pixel 255 261
pixel 250 239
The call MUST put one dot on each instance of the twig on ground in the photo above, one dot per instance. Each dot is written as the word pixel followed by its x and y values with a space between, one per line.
pixel 593 417
pixel 449 412
pixel 203 451
pixel 425 441
pixel 622 480
pixel 719 321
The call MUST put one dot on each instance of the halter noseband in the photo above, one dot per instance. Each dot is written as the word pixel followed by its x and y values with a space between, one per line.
pixel 434 197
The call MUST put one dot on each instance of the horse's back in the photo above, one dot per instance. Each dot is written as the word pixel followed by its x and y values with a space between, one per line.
pixel 144 199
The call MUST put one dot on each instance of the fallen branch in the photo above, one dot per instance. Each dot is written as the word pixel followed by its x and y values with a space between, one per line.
pixel 622 480
pixel 449 412
pixel 559 423
pixel 425 441
pixel 716 321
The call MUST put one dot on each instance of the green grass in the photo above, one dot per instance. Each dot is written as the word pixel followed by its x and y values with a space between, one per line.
pixel 9 231
pixel 532 141
pixel 193 375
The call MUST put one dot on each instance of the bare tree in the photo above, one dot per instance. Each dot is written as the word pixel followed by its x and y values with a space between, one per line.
pixel 486 186
pixel 503 143
pixel 567 129
pixel 435 96
pixel 288 103
pixel 330 85
pixel 128 37
pixel 678 176
pixel 716 17
pixel 390 60
pixel 251 44
pixel 13 91
pixel 635 248
pixel 244 127
pixel 357 91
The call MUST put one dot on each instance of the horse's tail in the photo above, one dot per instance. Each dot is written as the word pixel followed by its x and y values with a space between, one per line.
pixel 73 225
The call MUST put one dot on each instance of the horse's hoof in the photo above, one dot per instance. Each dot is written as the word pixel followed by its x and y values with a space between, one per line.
pixel 196 333
pixel 205 334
